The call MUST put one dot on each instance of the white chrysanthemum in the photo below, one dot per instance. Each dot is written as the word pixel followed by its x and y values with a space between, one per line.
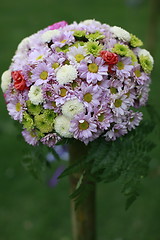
pixel 5 80
pixel 90 22
pixel 48 35
pixel 23 46
pixel 35 95
pixel 121 33
pixel 66 74
pixel 62 126
pixel 72 107
pixel 144 52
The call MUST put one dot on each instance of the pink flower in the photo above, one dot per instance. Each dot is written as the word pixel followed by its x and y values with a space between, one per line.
pixel 57 25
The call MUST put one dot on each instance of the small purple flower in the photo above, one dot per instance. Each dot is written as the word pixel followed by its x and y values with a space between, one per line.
pixel 118 130
pixel 16 107
pixel 42 74
pixel 123 68
pixel 50 139
pixel 38 55
pixel 30 137
pixel 83 126
pixel 104 117
pixel 93 70
pixel 133 119
pixel 65 38
pixel 119 104
pixel 55 60
pixel 90 95
pixel 140 76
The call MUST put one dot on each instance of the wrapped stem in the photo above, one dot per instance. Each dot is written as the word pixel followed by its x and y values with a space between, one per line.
pixel 83 217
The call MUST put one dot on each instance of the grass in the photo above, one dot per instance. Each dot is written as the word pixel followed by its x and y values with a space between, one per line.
pixel 30 209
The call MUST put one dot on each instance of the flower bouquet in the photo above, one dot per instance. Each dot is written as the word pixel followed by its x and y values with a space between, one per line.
pixel 83 84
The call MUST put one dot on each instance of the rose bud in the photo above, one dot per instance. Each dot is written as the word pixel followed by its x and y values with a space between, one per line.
pixel 109 57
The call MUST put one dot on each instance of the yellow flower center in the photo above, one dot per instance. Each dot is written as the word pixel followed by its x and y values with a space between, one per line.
pixel 127 94
pixel 67 62
pixel 39 57
pixel 83 125
pixel 118 103
pixel 120 65
pixel 18 107
pixel 74 84
pixel 32 134
pixel 87 97
pixel 101 117
pixel 44 75
pixel 92 67
pixel 79 57
pixel 113 90
pixel 55 65
pixel 131 119
pixel 63 92
pixel 48 93
pixel 137 73
pixel 63 41
pixel 53 104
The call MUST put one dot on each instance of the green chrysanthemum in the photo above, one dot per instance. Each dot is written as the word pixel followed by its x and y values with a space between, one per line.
pixel 135 41
pixel 95 36
pixel 132 56
pixel 42 124
pixel 121 49
pixel 146 64
pixel 93 48
pixel 64 49
pixel 34 109
pixel 78 43
pixel 79 34
pixel 27 121
pixel 49 115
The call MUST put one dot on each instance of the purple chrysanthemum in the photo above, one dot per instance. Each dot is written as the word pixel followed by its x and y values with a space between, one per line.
pixel 42 74
pixel 93 70
pixel 83 126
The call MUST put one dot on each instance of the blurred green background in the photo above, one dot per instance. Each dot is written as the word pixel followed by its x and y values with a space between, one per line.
pixel 30 209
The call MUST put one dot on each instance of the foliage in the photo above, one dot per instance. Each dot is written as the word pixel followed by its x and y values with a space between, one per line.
pixel 126 159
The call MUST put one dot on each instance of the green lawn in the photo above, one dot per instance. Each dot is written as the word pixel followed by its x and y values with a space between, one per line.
pixel 29 209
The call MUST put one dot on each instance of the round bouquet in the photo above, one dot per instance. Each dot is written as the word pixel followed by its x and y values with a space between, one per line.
pixel 78 81
pixel 84 82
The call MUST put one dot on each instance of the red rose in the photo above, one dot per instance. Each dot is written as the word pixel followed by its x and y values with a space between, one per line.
pixel 109 57
pixel 19 81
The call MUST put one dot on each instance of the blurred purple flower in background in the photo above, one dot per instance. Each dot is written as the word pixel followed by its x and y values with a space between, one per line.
pixel 63 154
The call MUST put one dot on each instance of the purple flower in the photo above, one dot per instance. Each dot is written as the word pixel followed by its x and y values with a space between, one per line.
pixel 93 70
pixel 140 76
pixel 83 126
pixel 104 117
pixel 64 38
pixel 133 119
pixel 42 74
pixel 90 95
pixel 123 68
pixel 118 130
pixel 50 139
pixel 16 107
pixel 30 137
pixel 54 180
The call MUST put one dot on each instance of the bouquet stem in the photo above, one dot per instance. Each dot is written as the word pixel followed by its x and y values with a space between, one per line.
pixel 84 216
